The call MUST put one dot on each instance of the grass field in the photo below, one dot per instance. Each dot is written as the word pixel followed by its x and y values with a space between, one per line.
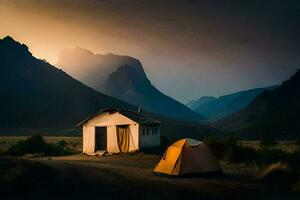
pixel 76 142
pixel 288 146
pixel 72 142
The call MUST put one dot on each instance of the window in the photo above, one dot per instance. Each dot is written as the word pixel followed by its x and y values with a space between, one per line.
pixel 155 130
pixel 143 131
pixel 147 131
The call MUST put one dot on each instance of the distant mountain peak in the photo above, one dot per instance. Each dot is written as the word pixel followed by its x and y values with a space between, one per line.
pixel 215 108
pixel 126 77
pixel 273 113
pixel 196 103
pixel 8 38
pixel 11 46
pixel 80 50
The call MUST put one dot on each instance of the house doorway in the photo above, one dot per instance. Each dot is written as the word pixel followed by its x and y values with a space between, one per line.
pixel 101 138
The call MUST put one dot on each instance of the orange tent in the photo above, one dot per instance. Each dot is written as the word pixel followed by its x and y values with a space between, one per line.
pixel 188 156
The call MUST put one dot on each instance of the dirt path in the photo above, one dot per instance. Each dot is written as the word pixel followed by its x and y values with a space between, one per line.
pixel 123 177
pixel 134 174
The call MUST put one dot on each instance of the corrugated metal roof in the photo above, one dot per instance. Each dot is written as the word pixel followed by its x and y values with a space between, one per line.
pixel 131 114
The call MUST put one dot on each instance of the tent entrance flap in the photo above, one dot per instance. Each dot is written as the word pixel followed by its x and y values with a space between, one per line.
pixel 100 138
pixel 123 135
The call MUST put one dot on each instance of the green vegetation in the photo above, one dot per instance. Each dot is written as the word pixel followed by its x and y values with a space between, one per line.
pixel 267 143
pixel 37 145
pixel 228 149
pixel 297 142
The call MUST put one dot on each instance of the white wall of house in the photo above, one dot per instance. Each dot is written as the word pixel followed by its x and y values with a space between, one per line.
pixel 149 136
pixel 88 137
pixel 111 121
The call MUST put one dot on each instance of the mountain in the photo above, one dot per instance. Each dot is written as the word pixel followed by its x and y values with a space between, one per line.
pixel 194 104
pixel 35 95
pixel 215 108
pixel 274 113
pixel 122 77
pixel 92 69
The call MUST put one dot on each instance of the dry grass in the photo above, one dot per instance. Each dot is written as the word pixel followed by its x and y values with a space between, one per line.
pixel 274 168
pixel 72 142
pixel 287 146
pixel 279 176
pixel 76 143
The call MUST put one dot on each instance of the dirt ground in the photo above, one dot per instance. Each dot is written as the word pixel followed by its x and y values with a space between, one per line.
pixel 130 177
pixel 124 176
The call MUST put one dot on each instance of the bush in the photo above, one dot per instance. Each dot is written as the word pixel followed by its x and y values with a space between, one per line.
pixel 62 144
pixel 238 153
pixel 297 141
pixel 267 143
pixel 37 145
pixel 217 147
pixel 294 158
pixel 273 155
pixel 228 149
pixel 221 147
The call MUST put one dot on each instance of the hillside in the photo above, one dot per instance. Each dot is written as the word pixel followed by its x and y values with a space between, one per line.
pixel 38 96
pixel 122 77
pixel 215 108
pixel 130 84
pixel 273 113
pixel 194 104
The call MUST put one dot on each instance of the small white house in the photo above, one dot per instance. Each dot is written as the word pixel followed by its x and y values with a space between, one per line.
pixel 116 131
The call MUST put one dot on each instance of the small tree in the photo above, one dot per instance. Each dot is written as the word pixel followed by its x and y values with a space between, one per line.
pixel 297 141
pixel 62 143
pixel 267 143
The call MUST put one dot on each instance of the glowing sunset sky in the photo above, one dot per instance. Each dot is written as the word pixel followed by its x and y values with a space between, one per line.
pixel 188 48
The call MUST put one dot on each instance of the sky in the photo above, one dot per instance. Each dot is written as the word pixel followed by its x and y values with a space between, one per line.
pixel 188 48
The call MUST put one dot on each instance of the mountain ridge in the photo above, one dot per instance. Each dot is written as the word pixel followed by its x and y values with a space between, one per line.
pixel 217 108
pixel 132 85
pixel 104 73
pixel 35 94
pixel 273 113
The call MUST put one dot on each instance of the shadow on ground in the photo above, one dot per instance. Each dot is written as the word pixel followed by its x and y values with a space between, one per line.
pixel 118 177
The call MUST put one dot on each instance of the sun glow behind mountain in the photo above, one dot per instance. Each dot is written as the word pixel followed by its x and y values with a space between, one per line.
pixel 188 48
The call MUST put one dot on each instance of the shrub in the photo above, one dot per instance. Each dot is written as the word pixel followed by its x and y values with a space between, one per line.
pixel 37 145
pixel 297 141
pixel 217 147
pixel 239 153
pixel 272 155
pixel 62 143
pixel 267 143
pixel 294 157
pixel 222 147
pixel 228 149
